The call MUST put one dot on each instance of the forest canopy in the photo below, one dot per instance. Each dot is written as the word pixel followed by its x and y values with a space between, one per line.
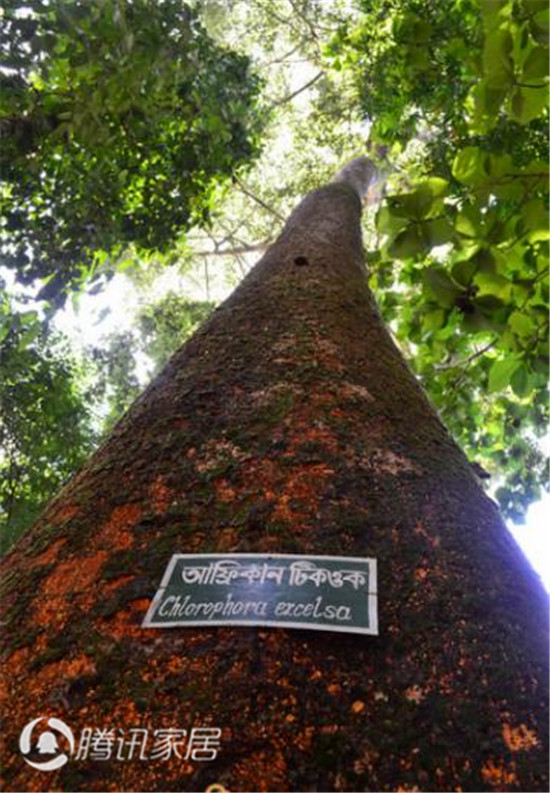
pixel 164 143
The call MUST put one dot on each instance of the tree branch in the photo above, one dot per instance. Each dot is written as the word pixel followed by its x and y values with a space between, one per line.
pixel 260 246
pixel 291 96
pixel 259 201
pixel 284 57
pixel 442 366
pixel 531 85
pixel 304 19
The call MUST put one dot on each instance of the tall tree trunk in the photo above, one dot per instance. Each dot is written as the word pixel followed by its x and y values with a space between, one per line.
pixel 289 423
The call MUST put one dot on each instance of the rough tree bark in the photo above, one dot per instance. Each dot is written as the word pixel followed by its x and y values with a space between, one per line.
pixel 289 423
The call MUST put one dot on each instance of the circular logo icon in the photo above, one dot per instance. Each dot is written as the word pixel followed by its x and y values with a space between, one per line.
pixel 47 744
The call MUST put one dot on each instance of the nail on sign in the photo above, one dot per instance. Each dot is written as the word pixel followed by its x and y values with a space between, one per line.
pixel 331 593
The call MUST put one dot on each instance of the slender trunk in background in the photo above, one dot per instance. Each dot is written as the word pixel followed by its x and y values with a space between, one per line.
pixel 289 423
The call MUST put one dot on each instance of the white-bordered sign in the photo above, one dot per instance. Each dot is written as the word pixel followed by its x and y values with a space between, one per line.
pixel 334 593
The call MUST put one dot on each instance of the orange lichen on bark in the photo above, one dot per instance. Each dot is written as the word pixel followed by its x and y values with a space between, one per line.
pixel 159 495
pixel 497 774
pixel 354 391
pixel 228 540
pixel 387 461
pixel 12 669
pixel 421 530
pixel 70 578
pixel 304 433
pixel 63 670
pixel 194 669
pixel 520 738
pixel 74 575
pixel 327 354
pixel 446 684
pixel 63 512
pixel 224 492
pixel 18 659
pixel 303 739
pixel 124 623
pixel 415 694
pixel 44 679
pixel 304 485
pixel 125 714
pixel 114 533
pixel 116 583
pixel 261 771
pixel 216 452
pixel 50 554
pixel 295 491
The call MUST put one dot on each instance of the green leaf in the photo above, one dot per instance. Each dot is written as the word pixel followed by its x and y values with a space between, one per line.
pixel 438 232
pixel 469 166
pixel 497 59
pixel 536 65
pixel 27 337
pixel 521 324
pixel 28 317
pixel 468 222
pixel 464 271
pixel 493 284
pixel 527 104
pixel 520 381
pixel 388 222
pixel 422 202
pixel 485 260
pixel 438 187
pixel 408 243
pixel 417 59
pixel 412 205
pixel 484 103
pixel 476 322
pixel 539 25
pixel 440 286
pixel 499 165
pixel 434 320
pixel 534 217
pixel 501 372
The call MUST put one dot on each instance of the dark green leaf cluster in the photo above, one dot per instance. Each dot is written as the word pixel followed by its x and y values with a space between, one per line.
pixel 414 62
pixel 45 427
pixel 118 119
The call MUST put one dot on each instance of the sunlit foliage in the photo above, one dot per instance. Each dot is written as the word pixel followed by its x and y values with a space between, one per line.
pixel 461 90
pixel 119 119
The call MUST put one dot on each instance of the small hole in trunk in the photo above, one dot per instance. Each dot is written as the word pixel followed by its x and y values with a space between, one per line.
pixel 300 261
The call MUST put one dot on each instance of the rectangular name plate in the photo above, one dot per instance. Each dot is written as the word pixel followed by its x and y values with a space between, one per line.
pixel 330 593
